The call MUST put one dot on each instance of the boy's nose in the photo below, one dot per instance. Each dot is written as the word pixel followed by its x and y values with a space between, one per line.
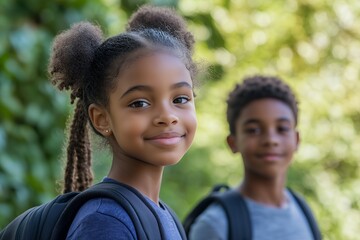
pixel 271 139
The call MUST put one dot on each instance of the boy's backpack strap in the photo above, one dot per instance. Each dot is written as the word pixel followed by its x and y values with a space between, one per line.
pixel 201 207
pixel 138 208
pixel 196 212
pixel 308 214
pixel 176 220
pixel 239 223
pixel 238 215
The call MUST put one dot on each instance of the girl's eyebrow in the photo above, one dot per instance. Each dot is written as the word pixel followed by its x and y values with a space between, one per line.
pixel 149 89
pixel 137 88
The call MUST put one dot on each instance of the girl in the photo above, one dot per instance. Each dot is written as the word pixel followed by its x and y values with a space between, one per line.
pixel 135 90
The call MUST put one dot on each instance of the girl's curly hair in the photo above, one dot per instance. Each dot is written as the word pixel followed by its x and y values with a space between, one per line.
pixel 81 61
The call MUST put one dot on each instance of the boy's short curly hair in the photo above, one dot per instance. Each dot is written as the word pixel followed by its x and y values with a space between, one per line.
pixel 255 88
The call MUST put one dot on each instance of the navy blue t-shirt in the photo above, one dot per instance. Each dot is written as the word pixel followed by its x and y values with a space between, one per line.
pixel 104 219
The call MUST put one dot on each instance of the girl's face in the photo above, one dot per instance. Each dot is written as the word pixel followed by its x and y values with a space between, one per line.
pixel 266 137
pixel 152 112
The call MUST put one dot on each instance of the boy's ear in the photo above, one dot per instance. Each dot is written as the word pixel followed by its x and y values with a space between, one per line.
pixel 231 141
pixel 100 119
pixel 297 139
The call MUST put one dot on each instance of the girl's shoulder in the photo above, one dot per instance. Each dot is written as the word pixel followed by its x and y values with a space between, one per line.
pixel 101 218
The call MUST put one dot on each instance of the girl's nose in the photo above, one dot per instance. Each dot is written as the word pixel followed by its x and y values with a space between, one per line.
pixel 166 117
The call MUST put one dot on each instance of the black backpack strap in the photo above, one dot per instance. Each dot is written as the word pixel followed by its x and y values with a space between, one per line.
pixel 308 214
pixel 238 215
pixel 37 222
pixel 143 215
pixel 239 223
pixel 197 211
pixel 200 208
pixel 11 230
pixel 177 221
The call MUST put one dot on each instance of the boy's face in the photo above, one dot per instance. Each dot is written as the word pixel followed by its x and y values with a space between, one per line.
pixel 265 137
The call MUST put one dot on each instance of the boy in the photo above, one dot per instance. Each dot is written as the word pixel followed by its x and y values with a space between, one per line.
pixel 262 114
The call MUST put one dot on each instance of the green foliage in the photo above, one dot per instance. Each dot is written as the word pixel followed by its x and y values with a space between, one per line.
pixel 33 113
pixel 313 45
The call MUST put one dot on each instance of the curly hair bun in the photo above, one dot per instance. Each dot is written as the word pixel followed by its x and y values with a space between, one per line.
pixel 72 53
pixel 164 19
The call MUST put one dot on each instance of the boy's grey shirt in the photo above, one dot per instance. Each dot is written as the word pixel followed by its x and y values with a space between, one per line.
pixel 268 223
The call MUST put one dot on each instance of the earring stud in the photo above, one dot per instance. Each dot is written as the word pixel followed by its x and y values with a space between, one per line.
pixel 107 131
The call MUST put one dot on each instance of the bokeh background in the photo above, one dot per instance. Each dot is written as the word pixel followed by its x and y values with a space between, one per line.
pixel 314 45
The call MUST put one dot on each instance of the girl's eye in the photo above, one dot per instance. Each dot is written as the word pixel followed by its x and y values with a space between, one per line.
pixel 181 100
pixel 139 104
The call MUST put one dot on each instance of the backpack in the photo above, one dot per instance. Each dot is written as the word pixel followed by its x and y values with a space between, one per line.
pixel 52 220
pixel 237 213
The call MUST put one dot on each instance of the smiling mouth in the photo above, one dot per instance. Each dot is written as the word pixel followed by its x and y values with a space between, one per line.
pixel 270 157
pixel 166 139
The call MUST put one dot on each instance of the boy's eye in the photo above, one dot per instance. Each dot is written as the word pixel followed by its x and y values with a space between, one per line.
pixel 181 100
pixel 283 129
pixel 253 131
pixel 139 104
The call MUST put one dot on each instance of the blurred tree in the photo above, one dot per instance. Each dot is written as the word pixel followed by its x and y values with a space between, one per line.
pixel 33 114
pixel 313 45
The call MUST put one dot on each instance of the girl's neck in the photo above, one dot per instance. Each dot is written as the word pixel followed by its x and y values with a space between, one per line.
pixel 144 177
pixel 264 190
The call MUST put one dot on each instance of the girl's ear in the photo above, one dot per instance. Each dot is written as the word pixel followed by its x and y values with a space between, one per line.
pixel 100 119
pixel 231 141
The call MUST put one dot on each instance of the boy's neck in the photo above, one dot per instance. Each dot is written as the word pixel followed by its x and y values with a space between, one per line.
pixel 266 191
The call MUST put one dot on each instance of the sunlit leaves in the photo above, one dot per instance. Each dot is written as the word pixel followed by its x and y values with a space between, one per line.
pixel 314 45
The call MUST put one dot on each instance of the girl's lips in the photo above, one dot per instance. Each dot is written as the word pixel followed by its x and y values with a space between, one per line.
pixel 165 135
pixel 166 139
